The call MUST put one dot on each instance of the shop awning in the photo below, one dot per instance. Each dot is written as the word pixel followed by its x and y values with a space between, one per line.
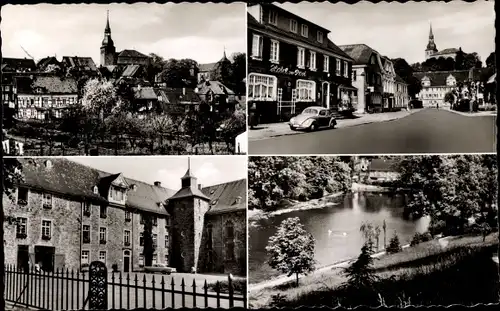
pixel 347 87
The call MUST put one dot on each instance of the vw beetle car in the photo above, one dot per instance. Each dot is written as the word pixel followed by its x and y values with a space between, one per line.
pixel 312 118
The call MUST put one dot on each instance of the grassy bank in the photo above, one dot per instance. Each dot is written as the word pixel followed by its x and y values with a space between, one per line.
pixel 460 273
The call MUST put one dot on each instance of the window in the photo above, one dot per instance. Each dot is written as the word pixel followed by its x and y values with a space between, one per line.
pixel 141 260
pixel 320 37
pixel 86 234
pixel 337 71
pixel 22 196
pixel 326 64
pixel 102 256
pixel 155 259
pixel 275 51
pixel 354 75
pixel 141 218
pixel 257 43
pixel 155 220
pixel 273 18
pixel 126 238
pixel 293 26
pixel 155 240
pixel 22 228
pixel 87 208
pixel 141 239
pixel 85 257
pixel 167 223
pixel 166 259
pixel 261 87
pixel 312 60
pixel 306 90
pixel 46 229
pixel 346 69
pixel 166 241
pixel 102 235
pixel 128 216
pixel 116 194
pixel 304 31
pixel 104 211
pixel 47 200
pixel 229 241
pixel 301 57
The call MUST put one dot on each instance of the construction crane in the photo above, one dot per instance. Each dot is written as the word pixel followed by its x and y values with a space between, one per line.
pixel 27 53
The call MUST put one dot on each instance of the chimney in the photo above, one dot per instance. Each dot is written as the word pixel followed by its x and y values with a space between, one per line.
pixel 199 187
pixel 158 183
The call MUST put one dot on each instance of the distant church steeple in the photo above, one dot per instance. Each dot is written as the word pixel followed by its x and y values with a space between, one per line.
pixel 108 50
pixel 431 46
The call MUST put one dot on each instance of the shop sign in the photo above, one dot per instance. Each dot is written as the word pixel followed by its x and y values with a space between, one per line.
pixel 286 71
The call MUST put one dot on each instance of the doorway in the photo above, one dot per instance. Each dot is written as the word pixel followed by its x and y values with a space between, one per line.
pixel 44 256
pixel 23 257
pixel 325 95
pixel 126 261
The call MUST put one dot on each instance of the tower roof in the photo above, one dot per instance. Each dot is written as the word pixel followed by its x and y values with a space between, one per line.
pixel 188 172
pixel 431 45
pixel 107 41
pixel 431 35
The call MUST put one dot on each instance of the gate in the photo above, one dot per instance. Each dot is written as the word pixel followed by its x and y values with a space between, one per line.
pixel 98 286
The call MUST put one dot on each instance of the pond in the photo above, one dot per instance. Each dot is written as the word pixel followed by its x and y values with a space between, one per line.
pixel 336 229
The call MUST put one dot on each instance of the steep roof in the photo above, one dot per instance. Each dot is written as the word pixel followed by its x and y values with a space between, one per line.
pixel 382 165
pixel 75 179
pixel 144 93
pixel 187 192
pixel 215 86
pixel 44 62
pixel 206 67
pixel 446 51
pixel 399 79
pixel 227 197
pixel 18 63
pixel 83 63
pixel 360 53
pixel 131 70
pixel 131 53
pixel 49 84
pixel 176 95
pixel 438 78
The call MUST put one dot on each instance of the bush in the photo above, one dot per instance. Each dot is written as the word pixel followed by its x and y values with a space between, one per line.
pixel 239 286
pixel 420 237
pixel 394 245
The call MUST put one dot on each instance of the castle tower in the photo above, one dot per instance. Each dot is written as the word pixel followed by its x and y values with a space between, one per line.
pixel 187 207
pixel 431 46
pixel 108 50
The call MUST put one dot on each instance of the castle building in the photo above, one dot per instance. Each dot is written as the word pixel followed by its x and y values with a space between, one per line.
pixel 431 50
pixel 65 215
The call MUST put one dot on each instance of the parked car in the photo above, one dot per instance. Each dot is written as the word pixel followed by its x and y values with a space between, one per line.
pixel 160 267
pixel 313 118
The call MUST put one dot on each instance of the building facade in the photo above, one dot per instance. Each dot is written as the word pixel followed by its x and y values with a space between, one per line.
pixel 40 97
pixel 367 77
pixel 293 65
pixel 66 215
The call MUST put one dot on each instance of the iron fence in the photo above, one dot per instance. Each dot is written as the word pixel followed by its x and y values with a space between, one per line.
pixel 70 290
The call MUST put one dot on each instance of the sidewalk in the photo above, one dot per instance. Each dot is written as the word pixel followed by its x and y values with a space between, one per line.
pixel 263 131
pixel 474 114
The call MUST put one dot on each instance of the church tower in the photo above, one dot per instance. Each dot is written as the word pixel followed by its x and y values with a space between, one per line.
pixel 187 208
pixel 431 46
pixel 108 50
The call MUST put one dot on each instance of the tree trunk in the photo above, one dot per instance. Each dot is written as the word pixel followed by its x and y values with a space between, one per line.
pixel 297 279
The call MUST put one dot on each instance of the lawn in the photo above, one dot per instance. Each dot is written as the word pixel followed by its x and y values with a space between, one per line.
pixel 400 274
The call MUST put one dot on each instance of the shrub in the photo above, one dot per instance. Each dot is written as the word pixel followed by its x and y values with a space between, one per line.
pixel 394 245
pixel 420 237
pixel 239 286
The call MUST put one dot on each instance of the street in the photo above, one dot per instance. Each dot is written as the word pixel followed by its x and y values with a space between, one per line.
pixel 425 131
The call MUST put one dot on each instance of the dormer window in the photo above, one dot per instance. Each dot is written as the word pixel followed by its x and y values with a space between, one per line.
pixel 273 18
pixel 293 26
pixel 95 190
pixel 451 81
pixel 304 31
pixel 116 193
pixel 320 37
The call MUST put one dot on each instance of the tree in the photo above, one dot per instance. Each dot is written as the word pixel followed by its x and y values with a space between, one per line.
pixel 384 227
pixel 291 249
pixel 371 234
pixel 154 67
pixel 491 60
pixel 394 245
pixel 12 172
pixel 360 274
pixel 238 73
pixel 449 97
pixel 406 71
pixel 233 125
pixel 180 73
pixel 99 98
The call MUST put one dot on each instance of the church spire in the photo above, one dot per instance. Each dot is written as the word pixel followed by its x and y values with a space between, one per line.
pixel 431 35
pixel 107 29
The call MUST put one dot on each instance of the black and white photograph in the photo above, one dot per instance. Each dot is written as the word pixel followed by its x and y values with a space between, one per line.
pixel 378 231
pixel 371 78
pixel 124 79
pixel 99 233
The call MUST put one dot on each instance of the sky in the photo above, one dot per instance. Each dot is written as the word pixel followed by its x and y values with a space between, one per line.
pixel 401 30
pixel 196 31
pixel 210 170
